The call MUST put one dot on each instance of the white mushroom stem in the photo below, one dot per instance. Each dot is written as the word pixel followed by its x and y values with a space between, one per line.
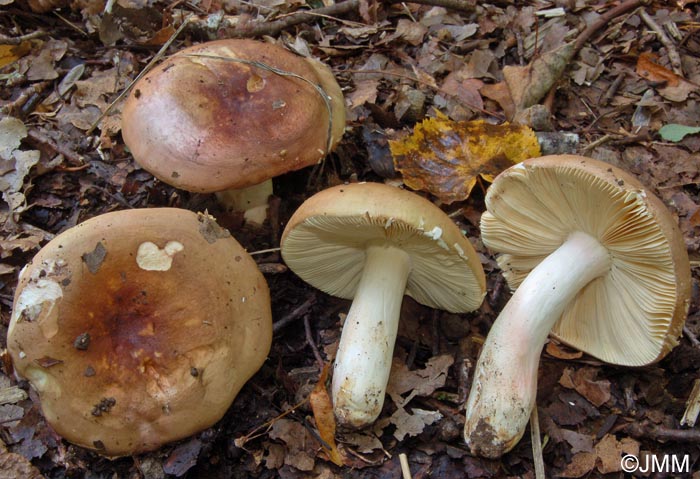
pixel 251 201
pixel 505 379
pixel 363 362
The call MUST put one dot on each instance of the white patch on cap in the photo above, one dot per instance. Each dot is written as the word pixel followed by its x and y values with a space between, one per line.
pixel 33 297
pixel 434 233
pixel 151 258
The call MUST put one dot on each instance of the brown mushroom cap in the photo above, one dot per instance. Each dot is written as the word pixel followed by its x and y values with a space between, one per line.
pixel 324 244
pixel 205 121
pixel 635 313
pixel 139 327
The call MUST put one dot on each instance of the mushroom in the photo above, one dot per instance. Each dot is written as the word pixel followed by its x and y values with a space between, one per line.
pixel 374 243
pixel 139 327
pixel 598 263
pixel 230 115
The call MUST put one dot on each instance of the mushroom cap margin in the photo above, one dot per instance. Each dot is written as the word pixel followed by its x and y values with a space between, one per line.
pixel 324 242
pixel 534 206
pixel 165 352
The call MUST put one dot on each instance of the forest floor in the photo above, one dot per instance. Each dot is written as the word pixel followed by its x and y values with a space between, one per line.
pixel 636 70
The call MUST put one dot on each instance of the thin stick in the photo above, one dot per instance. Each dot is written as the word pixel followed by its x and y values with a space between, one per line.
pixel 671 50
pixel 536 444
pixel 146 69
pixel 300 310
pixel 312 343
pixel 405 469
pixel 265 251
pixel 23 38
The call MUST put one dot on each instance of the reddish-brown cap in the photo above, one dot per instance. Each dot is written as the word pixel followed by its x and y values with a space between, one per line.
pixel 232 113
pixel 139 327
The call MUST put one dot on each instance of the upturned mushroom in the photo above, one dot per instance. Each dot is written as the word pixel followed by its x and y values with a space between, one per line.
pixel 139 327
pixel 373 243
pixel 227 116
pixel 598 263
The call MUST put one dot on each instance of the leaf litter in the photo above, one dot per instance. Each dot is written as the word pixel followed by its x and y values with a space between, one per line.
pixel 399 65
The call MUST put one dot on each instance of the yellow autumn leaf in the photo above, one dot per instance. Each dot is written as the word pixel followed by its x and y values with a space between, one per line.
pixel 12 53
pixel 445 157
pixel 322 408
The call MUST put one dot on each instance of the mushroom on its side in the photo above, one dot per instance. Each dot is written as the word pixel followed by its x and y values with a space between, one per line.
pixel 374 243
pixel 139 327
pixel 231 115
pixel 598 262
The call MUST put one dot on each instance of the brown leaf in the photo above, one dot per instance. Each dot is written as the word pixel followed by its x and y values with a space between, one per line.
pixel 676 87
pixel 560 352
pixel 583 381
pixel 16 465
pixel 420 382
pixel 500 93
pixel 580 465
pixel 529 84
pixel 445 157
pixel 610 452
pixel 323 415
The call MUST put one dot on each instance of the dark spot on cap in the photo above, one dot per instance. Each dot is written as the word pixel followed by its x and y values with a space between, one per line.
pixel 93 260
pixel 82 342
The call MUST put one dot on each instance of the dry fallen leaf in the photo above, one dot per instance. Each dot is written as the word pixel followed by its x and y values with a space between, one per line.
pixel 529 84
pixel 676 88
pixel 412 424
pixel 323 414
pixel 610 452
pixel 421 382
pixel 301 445
pixel 16 465
pixel 580 465
pixel 583 381
pixel 445 157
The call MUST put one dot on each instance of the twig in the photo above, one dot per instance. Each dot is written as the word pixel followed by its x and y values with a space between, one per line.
pixel 603 139
pixel 614 87
pixel 661 433
pixel 605 19
pixel 272 28
pixel 43 140
pixel 265 251
pixel 536 444
pixel 22 38
pixel 240 441
pixel 584 36
pixel 692 408
pixel 146 69
pixel 689 334
pixel 405 469
pixel 300 310
pixel 17 104
pixel 312 343
pixel 671 50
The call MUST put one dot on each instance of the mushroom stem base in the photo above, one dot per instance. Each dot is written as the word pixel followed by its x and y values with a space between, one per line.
pixel 505 378
pixel 363 362
pixel 252 201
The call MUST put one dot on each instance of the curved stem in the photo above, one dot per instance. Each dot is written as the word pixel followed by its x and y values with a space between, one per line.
pixel 363 362
pixel 505 378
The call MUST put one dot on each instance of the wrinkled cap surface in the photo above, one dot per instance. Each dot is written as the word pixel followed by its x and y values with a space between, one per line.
pixel 324 243
pixel 634 314
pixel 207 119
pixel 139 327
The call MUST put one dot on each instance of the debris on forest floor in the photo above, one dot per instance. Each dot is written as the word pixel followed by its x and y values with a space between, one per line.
pixel 622 78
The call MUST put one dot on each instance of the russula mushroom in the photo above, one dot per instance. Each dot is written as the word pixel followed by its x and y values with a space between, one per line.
pixel 139 327
pixel 230 115
pixel 373 243
pixel 598 263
